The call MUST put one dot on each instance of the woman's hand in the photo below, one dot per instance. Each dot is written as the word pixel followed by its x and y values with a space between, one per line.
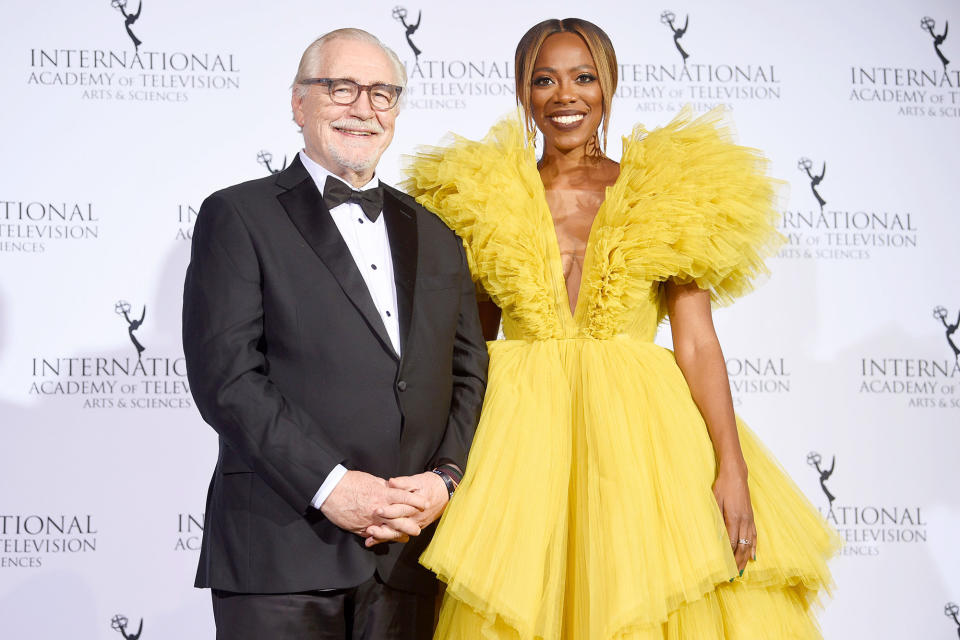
pixel 733 497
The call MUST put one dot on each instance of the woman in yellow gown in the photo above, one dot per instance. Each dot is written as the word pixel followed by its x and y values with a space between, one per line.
pixel 606 495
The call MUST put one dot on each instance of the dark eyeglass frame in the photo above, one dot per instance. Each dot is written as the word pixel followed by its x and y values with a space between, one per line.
pixel 358 88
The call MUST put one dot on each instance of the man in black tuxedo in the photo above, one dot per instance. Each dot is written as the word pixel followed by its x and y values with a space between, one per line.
pixel 332 341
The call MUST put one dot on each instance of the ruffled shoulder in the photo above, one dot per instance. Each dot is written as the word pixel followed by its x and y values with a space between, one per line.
pixel 490 194
pixel 469 182
pixel 702 206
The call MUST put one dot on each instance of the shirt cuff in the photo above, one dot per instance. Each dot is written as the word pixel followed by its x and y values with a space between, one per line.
pixel 333 479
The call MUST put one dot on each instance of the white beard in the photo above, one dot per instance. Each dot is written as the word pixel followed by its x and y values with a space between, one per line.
pixel 343 153
pixel 348 161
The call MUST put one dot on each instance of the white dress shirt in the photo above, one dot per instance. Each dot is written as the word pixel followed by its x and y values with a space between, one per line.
pixel 370 248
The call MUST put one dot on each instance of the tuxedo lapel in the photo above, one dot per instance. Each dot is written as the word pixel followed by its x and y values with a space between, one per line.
pixel 304 205
pixel 402 233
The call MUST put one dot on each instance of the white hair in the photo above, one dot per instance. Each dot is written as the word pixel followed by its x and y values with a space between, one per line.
pixel 312 58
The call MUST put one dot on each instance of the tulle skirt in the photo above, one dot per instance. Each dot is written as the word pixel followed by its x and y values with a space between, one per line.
pixel 587 510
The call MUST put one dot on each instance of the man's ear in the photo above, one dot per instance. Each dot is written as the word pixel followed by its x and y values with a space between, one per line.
pixel 296 105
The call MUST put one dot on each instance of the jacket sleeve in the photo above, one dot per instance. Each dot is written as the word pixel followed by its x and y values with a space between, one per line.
pixel 224 347
pixel 469 376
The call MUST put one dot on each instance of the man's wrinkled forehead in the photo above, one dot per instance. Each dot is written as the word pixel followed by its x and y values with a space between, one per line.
pixel 362 62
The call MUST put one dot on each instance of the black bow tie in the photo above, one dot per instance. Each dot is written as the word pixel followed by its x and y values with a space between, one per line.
pixel 336 193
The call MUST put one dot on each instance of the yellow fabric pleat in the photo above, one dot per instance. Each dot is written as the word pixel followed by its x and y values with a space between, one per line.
pixel 587 511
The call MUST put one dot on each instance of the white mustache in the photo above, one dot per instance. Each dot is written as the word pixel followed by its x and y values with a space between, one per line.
pixel 355 124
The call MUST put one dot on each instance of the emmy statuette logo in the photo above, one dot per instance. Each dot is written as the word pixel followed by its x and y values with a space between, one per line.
pixel 444 80
pixel 922 380
pixel 928 24
pixel 846 231
pixel 122 308
pixel 941 313
pixel 806 165
pixel 129 19
pixel 867 528
pixel 665 84
pixel 667 18
pixel 814 459
pixel 951 610
pixel 400 14
pixel 923 89
pixel 265 158
pixel 110 71
pixel 119 624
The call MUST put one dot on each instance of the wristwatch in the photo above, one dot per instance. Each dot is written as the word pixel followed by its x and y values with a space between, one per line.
pixel 447 481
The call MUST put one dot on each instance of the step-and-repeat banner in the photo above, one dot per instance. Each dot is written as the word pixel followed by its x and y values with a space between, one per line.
pixel 120 116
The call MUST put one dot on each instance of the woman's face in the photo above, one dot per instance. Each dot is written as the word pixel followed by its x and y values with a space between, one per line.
pixel 565 96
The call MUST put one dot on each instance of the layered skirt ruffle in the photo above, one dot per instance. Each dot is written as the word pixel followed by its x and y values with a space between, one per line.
pixel 587 510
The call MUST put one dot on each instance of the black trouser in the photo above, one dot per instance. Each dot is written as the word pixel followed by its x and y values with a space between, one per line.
pixel 369 611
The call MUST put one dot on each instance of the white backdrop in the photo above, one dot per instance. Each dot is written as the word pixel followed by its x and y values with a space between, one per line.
pixel 108 154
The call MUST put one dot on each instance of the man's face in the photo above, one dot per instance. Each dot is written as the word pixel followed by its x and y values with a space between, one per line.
pixel 347 140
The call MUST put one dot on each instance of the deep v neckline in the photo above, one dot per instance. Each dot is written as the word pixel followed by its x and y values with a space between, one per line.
pixel 573 213
pixel 571 319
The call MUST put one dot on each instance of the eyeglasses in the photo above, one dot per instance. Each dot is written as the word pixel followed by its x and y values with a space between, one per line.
pixel 343 91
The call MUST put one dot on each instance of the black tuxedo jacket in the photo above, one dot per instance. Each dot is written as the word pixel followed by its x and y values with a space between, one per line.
pixel 289 362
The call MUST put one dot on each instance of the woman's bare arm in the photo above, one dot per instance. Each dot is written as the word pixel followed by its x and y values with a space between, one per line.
pixel 700 358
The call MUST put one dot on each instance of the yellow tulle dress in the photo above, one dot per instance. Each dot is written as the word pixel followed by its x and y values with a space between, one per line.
pixel 587 511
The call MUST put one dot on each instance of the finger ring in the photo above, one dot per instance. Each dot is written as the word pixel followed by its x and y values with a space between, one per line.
pixel 743 541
